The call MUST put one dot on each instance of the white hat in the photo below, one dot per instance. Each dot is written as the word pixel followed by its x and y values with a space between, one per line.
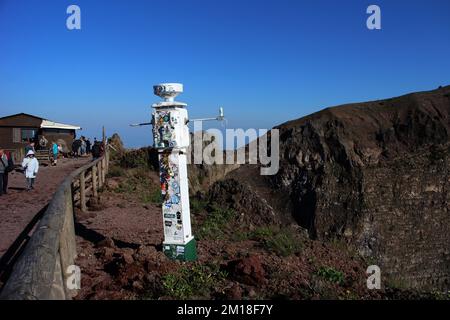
pixel 30 152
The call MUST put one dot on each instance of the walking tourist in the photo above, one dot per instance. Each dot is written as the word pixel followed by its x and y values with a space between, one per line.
pixel 31 166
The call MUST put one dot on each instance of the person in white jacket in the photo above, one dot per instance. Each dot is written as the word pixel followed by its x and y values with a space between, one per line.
pixel 31 166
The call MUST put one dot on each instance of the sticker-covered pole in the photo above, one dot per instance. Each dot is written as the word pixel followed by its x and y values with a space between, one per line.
pixel 171 139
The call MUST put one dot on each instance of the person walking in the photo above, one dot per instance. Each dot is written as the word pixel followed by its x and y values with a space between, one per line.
pixel 88 146
pixel 55 153
pixel 3 170
pixel 96 150
pixel 9 168
pixel 31 166
pixel 83 147
pixel 76 148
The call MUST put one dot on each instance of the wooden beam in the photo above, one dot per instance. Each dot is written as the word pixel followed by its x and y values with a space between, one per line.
pixel 83 192
pixel 94 181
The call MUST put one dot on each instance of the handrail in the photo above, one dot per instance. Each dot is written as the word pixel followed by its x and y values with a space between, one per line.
pixel 40 271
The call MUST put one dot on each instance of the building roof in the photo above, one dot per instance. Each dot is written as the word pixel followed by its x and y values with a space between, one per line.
pixel 21 114
pixel 47 124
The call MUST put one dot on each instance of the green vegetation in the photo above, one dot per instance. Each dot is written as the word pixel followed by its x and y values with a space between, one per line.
pixel 146 158
pixel 153 196
pixel 137 182
pixel 216 222
pixel 283 242
pixel 264 232
pixel 438 295
pixel 331 274
pixel 396 283
pixel 197 205
pixel 194 281
pixel 115 171
pixel 125 187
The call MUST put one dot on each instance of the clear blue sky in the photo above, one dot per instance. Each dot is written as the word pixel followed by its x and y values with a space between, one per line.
pixel 264 61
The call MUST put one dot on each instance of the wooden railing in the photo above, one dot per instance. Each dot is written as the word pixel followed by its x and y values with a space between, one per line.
pixel 89 181
pixel 40 271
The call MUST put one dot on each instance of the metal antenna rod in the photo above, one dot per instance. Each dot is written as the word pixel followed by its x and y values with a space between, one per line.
pixel 141 124
pixel 220 117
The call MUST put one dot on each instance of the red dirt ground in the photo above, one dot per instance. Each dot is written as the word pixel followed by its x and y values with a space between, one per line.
pixel 118 245
pixel 19 206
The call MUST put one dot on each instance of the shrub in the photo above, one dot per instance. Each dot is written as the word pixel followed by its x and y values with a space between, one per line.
pixel 331 274
pixel 153 196
pixel 197 205
pixel 194 281
pixel 141 158
pixel 283 243
pixel 125 187
pixel 264 232
pixel 216 223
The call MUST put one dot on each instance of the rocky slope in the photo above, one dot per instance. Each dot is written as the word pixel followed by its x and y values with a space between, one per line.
pixel 375 174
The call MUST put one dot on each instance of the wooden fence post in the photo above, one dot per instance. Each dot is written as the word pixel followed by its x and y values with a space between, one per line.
pixel 107 160
pixel 100 176
pixel 94 181
pixel 104 168
pixel 83 192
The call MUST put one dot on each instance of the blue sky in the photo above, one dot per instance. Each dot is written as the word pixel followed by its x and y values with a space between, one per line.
pixel 265 61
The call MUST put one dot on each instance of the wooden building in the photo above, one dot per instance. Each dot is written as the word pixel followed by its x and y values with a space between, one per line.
pixel 17 130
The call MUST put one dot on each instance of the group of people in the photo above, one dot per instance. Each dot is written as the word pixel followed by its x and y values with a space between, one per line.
pixel 54 149
pixel 81 147
pixel 30 166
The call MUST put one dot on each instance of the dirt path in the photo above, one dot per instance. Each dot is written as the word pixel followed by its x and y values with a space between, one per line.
pixel 19 206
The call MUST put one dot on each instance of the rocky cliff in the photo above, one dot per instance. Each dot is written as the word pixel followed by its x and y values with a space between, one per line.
pixel 377 175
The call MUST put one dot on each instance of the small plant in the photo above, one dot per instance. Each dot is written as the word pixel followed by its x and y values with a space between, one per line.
pixel 197 205
pixel 283 243
pixel 216 222
pixel 125 187
pixel 264 232
pixel 438 295
pixel 153 196
pixel 331 274
pixel 194 281
pixel 396 283
pixel 240 235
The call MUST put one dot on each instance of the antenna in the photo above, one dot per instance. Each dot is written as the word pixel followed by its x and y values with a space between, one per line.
pixel 141 124
pixel 220 117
